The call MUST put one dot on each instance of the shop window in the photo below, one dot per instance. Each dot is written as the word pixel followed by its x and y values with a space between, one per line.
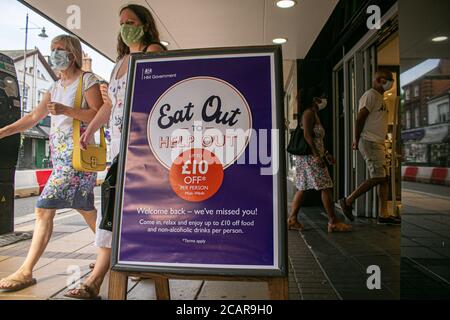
pixel 47 148
pixel 439 154
pixel 416 153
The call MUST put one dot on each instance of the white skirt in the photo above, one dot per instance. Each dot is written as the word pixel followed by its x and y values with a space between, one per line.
pixel 103 238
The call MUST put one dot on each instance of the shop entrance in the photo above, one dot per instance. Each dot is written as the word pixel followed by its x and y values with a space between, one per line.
pixel 353 76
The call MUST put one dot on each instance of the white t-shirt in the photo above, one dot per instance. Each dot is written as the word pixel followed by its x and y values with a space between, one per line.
pixel 375 128
pixel 66 96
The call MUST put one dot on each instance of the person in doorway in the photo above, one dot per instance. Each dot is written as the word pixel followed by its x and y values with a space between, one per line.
pixel 138 33
pixel 370 134
pixel 311 170
pixel 66 187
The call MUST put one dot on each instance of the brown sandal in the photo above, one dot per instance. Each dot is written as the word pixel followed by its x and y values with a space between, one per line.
pixel 84 292
pixel 295 225
pixel 339 227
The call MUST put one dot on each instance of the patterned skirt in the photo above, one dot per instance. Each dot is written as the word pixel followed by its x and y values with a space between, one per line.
pixel 66 187
pixel 309 175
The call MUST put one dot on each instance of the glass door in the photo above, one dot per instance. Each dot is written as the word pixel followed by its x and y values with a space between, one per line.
pixel 351 79
pixel 339 138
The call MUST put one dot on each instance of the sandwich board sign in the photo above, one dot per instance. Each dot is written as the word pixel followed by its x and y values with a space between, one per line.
pixel 201 179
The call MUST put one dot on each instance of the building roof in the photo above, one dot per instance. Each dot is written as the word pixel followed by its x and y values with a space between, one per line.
pixel 427 74
pixel 37 132
pixel 439 72
pixel 17 55
pixel 14 54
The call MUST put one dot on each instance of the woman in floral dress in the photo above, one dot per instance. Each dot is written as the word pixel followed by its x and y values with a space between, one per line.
pixel 66 187
pixel 311 170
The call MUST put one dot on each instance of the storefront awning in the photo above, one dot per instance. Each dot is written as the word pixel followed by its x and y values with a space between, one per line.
pixel 435 134
pixel 189 24
pixel 413 135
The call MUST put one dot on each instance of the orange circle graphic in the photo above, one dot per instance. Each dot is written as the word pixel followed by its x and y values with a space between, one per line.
pixel 196 175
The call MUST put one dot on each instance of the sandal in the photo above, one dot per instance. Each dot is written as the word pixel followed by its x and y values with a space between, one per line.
pixel 84 292
pixel 295 225
pixel 339 227
pixel 18 284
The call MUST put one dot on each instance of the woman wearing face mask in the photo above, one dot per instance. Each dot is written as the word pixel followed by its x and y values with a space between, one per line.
pixel 311 170
pixel 138 33
pixel 66 187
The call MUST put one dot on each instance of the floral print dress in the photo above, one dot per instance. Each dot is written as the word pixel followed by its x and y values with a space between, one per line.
pixel 67 187
pixel 309 174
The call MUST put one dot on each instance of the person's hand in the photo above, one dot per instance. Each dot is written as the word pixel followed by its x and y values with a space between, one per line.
pixel 85 138
pixel 56 108
pixel 105 96
pixel 355 145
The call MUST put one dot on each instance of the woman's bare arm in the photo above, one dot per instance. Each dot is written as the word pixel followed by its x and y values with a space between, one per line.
pixel 308 120
pixel 28 121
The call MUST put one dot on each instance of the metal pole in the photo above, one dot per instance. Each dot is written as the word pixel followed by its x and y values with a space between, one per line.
pixel 24 69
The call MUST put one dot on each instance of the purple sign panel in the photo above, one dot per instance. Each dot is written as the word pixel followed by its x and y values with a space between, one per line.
pixel 201 177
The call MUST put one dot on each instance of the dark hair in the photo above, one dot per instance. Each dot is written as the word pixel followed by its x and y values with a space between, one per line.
pixel 151 34
pixel 307 95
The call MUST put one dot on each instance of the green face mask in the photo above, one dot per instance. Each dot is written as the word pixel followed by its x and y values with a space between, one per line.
pixel 131 34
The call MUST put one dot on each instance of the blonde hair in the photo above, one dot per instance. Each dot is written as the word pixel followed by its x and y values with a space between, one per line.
pixel 72 45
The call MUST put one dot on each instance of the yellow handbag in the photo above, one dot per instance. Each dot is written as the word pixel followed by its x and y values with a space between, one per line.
pixel 92 159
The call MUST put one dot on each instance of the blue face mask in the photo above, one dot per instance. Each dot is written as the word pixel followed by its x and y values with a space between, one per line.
pixel 60 60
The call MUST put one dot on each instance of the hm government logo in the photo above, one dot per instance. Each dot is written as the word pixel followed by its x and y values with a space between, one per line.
pixel 148 74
